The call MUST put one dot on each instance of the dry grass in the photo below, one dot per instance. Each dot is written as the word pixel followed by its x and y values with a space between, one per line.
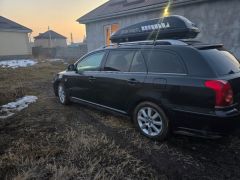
pixel 126 128
pixel 79 154
pixel 17 83
pixel 10 93
pixel 110 120
pixel 49 143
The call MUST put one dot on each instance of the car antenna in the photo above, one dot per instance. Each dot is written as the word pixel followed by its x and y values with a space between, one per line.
pixel 165 13
pixel 155 40
pixel 156 36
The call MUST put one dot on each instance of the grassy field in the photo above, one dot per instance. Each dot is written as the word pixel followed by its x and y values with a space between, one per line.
pixel 51 141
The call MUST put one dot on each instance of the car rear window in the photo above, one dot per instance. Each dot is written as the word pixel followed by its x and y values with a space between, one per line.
pixel 221 61
pixel 163 62
pixel 119 60
pixel 138 64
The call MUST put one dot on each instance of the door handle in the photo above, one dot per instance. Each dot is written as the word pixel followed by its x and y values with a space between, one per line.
pixel 91 78
pixel 132 82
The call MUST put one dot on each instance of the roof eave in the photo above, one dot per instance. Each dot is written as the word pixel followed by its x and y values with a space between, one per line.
pixel 157 7
pixel 48 38
pixel 17 30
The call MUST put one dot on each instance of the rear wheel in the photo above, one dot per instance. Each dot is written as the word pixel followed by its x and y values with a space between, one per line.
pixel 62 94
pixel 151 121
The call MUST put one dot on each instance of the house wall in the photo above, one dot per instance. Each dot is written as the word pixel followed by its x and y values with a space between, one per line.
pixel 54 43
pixel 14 44
pixel 218 21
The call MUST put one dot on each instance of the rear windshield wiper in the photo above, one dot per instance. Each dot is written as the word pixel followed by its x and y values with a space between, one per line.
pixel 231 72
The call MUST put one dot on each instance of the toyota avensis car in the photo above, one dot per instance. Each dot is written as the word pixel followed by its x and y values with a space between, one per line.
pixel 180 86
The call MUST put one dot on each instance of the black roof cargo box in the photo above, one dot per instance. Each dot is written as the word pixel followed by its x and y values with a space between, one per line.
pixel 171 27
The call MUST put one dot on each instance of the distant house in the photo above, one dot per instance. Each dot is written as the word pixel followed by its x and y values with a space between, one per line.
pixel 50 39
pixel 218 19
pixel 14 40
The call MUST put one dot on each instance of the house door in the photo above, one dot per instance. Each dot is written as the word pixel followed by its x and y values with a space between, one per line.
pixel 109 30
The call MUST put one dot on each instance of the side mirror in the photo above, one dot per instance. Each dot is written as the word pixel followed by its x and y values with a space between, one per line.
pixel 71 67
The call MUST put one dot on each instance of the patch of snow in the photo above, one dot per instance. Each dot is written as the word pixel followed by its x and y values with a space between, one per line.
pixel 11 108
pixel 17 63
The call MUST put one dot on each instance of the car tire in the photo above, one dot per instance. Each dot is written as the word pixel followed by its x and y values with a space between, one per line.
pixel 151 121
pixel 63 95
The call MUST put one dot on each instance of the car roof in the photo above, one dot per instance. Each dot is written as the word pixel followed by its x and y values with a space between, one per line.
pixel 188 50
pixel 168 43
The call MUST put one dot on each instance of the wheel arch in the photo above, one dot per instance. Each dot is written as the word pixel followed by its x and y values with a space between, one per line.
pixel 139 100
pixel 157 106
pixel 55 87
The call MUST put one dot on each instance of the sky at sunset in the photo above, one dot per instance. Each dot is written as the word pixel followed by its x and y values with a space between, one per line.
pixel 60 15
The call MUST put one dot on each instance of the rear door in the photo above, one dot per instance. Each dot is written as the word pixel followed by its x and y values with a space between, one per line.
pixel 138 74
pixel 166 75
pixel 122 75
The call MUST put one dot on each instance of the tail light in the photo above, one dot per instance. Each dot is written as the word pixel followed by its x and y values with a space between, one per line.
pixel 223 92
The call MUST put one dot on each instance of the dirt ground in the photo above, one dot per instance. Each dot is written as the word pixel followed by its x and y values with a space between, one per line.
pixel 51 141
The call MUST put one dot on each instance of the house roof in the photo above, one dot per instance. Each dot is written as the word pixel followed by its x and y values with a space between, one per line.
pixel 118 8
pixel 8 25
pixel 50 34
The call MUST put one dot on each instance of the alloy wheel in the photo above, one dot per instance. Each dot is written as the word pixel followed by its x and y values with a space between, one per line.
pixel 150 121
pixel 61 93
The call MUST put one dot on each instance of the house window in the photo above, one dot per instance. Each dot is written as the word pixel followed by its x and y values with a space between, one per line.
pixel 109 30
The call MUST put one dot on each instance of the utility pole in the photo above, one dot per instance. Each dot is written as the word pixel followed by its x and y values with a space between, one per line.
pixel 72 38
pixel 50 38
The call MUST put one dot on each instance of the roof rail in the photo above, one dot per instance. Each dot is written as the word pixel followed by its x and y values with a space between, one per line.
pixel 194 43
pixel 208 46
pixel 157 42
pixel 110 45
pixel 191 41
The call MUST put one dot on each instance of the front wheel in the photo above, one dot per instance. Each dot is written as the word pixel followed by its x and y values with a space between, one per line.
pixel 151 121
pixel 62 94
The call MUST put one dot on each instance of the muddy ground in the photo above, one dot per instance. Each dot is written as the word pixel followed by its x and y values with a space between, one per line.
pixel 51 141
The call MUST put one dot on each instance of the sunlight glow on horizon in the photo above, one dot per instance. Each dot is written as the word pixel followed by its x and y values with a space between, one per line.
pixel 59 15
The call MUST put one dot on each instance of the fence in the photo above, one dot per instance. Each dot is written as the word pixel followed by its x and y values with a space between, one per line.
pixel 60 52
pixel 15 57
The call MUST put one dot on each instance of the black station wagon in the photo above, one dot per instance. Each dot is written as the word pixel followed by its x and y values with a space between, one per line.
pixel 180 86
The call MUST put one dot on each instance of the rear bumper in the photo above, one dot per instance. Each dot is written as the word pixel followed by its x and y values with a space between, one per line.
pixel 219 122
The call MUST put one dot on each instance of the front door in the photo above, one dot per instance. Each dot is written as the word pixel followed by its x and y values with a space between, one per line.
pixel 81 83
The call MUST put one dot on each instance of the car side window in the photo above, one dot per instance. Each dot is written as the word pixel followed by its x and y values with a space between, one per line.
pixel 119 60
pixel 138 63
pixel 163 62
pixel 91 62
